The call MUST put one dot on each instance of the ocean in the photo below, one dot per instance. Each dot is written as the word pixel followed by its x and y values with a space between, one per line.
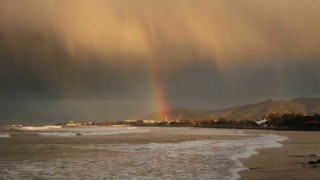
pixel 55 152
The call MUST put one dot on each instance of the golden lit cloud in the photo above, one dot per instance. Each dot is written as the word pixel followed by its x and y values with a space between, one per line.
pixel 225 32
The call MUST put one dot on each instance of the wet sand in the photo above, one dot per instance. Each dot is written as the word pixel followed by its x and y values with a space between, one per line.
pixel 288 162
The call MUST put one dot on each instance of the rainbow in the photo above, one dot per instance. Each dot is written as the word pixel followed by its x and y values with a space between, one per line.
pixel 160 103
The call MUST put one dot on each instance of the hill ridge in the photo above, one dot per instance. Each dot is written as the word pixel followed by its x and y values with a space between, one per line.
pixel 301 105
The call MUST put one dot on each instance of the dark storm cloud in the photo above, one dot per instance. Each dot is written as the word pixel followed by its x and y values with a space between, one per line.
pixel 91 59
pixel 35 64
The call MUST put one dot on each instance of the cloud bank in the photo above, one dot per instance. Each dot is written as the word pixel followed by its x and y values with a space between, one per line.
pixel 207 54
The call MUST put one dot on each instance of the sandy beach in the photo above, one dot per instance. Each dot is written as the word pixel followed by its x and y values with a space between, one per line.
pixel 287 162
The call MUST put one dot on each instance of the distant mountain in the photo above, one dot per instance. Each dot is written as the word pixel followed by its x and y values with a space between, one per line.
pixel 301 105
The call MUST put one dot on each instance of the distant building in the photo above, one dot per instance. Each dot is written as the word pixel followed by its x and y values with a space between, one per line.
pixel 72 123
pixel 130 121
pixel 149 121
pixel 260 122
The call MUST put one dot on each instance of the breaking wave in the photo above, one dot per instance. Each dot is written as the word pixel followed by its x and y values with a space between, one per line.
pixel 35 128
pixel 94 131
pixel 4 135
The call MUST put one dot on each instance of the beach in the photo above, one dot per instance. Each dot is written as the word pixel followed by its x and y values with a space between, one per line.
pixel 287 162
pixel 154 152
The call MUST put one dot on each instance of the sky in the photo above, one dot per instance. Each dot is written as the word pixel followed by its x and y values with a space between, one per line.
pixel 104 60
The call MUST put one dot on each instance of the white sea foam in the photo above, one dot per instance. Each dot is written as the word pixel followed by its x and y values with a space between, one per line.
pixel 203 159
pixel 206 131
pixel 4 135
pixel 35 128
pixel 95 131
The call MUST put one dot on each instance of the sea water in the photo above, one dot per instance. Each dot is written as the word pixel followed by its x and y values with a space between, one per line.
pixel 196 159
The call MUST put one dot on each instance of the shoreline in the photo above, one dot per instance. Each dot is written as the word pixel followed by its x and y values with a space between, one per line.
pixel 287 162
pixel 52 144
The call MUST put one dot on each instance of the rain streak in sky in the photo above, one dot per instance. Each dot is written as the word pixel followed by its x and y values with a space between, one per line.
pixel 122 59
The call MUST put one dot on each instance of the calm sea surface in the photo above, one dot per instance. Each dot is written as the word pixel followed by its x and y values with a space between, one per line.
pixel 51 152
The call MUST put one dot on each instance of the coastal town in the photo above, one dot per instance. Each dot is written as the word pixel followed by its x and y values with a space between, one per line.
pixel 269 121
